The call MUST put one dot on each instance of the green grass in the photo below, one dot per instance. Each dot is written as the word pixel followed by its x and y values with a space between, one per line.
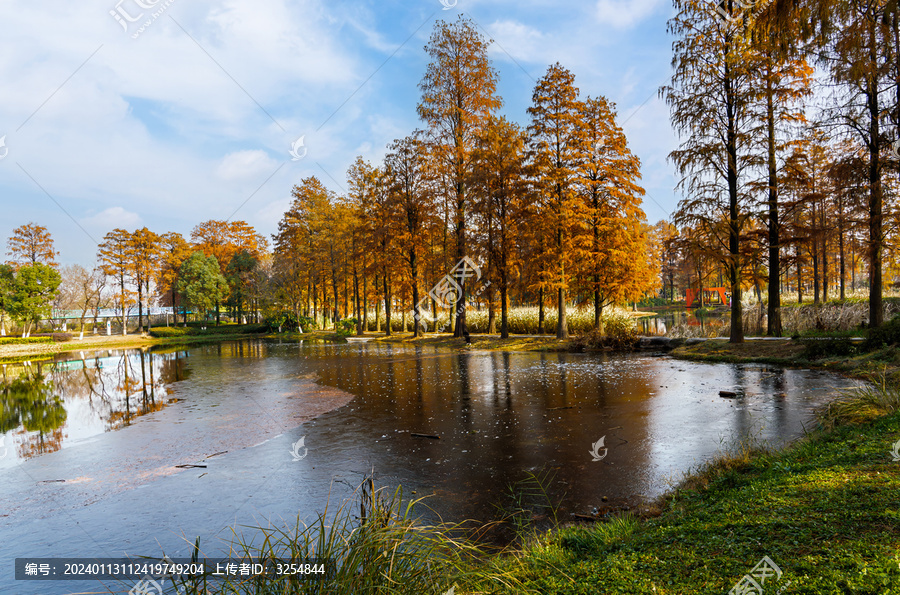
pixel 194 329
pixel 24 341
pixel 827 511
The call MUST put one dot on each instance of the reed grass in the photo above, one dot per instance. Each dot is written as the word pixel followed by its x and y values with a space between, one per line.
pixel 864 403
pixel 387 549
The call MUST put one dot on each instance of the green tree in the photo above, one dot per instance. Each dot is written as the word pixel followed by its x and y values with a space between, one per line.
pixel 35 288
pixel 200 282
pixel 7 282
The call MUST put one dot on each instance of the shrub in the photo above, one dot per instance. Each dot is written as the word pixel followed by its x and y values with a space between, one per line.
pixel 163 332
pixel 619 331
pixel 25 341
pixel 55 337
pixel 225 329
pixel 864 403
pixel 887 334
pixel 287 321
pixel 816 349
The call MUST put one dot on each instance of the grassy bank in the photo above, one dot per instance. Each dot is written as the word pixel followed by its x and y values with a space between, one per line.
pixel 826 511
pixel 868 365
pixel 39 351
pixel 481 342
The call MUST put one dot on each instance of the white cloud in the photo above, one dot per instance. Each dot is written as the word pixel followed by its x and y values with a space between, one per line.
pixel 242 165
pixel 517 40
pixel 624 14
pixel 111 218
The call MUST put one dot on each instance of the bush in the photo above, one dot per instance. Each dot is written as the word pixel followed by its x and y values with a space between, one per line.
pixel 885 335
pixel 25 341
pixel 163 332
pixel 287 321
pixel 619 332
pixel 816 349
pixel 55 337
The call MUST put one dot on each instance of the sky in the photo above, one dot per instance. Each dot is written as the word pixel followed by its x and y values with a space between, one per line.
pixel 167 113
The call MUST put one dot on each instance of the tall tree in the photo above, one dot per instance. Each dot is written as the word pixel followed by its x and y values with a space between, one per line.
pixel 412 199
pixel 239 274
pixel 556 133
pixel 173 250
pixel 201 283
pixel 709 98
pixel 361 183
pixel 614 257
pixel 143 250
pixel 115 262
pixel 459 94
pixel 31 244
pixel 502 186
pixel 784 81
pixel 34 289
pixel 224 239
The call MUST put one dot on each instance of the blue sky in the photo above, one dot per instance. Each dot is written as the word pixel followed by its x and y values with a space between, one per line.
pixel 192 118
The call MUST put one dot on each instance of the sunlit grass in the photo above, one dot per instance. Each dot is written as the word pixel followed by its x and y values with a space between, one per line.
pixel 864 403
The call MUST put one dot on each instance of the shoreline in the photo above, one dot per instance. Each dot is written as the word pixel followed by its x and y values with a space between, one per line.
pixel 783 352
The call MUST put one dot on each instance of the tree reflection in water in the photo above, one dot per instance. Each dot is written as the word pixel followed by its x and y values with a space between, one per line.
pixel 117 387
pixel 29 406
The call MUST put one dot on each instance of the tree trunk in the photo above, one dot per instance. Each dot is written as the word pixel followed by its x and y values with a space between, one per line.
pixel 734 266
pixel 387 305
pixel 124 313
pixel 140 328
pixel 541 311
pixel 773 323
pixel 876 241
pixel 504 314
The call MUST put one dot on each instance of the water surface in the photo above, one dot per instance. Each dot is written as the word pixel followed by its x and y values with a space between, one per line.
pixel 96 445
